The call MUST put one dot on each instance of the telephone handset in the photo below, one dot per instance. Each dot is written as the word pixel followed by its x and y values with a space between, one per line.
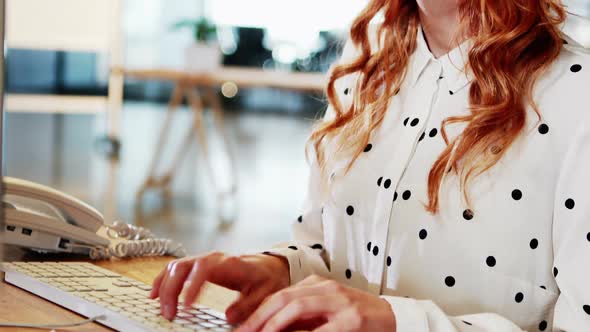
pixel 46 220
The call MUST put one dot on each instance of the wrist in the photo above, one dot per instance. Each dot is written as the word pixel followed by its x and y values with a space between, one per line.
pixel 391 321
pixel 278 265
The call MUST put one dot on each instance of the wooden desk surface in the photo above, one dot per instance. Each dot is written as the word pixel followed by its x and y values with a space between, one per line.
pixel 242 76
pixel 17 305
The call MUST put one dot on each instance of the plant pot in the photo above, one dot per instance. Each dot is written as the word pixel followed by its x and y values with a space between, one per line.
pixel 201 57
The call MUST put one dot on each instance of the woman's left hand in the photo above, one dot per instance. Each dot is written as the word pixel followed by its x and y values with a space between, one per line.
pixel 335 306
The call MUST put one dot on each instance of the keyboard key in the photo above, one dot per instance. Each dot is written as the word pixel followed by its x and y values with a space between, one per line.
pixel 183 314
pixel 207 324
pixel 144 313
pixel 213 313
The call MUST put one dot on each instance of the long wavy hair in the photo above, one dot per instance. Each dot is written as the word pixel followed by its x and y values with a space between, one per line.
pixel 514 41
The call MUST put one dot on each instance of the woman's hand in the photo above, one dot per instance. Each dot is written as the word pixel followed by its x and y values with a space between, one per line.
pixel 254 276
pixel 336 307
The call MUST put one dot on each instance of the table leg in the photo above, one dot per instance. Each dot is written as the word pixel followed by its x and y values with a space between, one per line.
pixel 152 180
pixel 196 105
pixel 217 111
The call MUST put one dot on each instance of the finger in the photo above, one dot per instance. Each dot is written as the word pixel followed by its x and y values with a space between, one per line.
pixel 245 305
pixel 276 302
pixel 341 322
pixel 305 308
pixel 230 272
pixel 199 273
pixel 161 278
pixel 156 284
pixel 172 285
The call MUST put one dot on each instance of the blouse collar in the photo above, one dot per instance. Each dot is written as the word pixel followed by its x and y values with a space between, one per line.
pixel 452 63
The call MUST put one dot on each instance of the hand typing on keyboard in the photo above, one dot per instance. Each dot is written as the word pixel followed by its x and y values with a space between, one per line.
pixel 106 297
pixel 254 276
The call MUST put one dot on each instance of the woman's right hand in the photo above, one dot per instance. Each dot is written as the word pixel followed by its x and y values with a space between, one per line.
pixel 254 276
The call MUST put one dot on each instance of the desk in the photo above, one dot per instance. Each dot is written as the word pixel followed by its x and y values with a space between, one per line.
pixel 17 305
pixel 189 85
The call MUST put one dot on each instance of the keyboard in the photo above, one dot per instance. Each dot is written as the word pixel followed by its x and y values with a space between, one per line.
pixel 91 291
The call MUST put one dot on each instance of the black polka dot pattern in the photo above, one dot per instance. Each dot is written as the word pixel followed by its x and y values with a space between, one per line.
pixel 586 309
pixel 375 251
pixel 466 322
pixel 293 247
pixel 467 214
pixel 317 246
pixel 421 136
pixel 406 195
pixel 491 261
pixel 406 121
pixel 414 122
pixel 570 203
pixel 543 326
pixel 386 184
pixel 346 91
pixel 368 147
pixel 422 234
pixel 388 260
pixel 588 236
pixel 543 129
pixel 451 92
pixel 534 244
pixel 369 246
pixel 350 210
pixel 575 68
pixel 433 132
pixel 543 287
pixel 450 281
pixel 555 272
pixel 348 274
pixel 516 194
pixel 519 297
pixel 394 196
pixel 300 219
pixel 379 181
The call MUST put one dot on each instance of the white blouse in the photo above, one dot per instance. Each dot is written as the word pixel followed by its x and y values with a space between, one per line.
pixel 519 259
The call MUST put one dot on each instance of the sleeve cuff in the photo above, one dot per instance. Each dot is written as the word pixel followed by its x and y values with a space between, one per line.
pixel 297 269
pixel 409 316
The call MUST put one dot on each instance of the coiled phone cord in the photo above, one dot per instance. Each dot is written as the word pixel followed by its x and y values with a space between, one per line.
pixel 138 241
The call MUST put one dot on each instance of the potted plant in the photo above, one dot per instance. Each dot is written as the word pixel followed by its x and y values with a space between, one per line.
pixel 204 53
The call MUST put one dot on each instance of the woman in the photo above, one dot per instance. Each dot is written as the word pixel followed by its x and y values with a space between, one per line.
pixel 449 183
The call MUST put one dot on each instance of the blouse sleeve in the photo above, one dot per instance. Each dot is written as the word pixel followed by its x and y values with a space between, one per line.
pixel 305 253
pixel 425 316
pixel 571 250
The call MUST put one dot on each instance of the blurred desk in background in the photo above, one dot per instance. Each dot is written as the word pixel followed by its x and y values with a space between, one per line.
pixel 194 86
pixel 243 77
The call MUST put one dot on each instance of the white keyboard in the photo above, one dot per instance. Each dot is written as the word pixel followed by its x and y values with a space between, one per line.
pixel 91 291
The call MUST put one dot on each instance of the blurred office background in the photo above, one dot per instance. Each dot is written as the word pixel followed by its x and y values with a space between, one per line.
pixel 266 127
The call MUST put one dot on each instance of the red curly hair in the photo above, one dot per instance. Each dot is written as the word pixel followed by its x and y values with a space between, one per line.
pixel 514 41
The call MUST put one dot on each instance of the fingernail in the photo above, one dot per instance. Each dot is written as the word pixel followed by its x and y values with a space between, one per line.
pixel 168 311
